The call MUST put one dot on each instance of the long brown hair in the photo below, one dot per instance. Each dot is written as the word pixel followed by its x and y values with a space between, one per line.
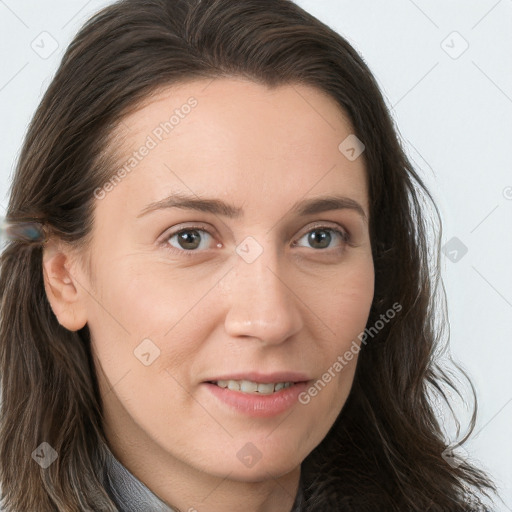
pixel 385 450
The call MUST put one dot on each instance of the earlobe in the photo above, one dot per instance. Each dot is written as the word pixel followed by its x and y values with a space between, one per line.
pixel 62 289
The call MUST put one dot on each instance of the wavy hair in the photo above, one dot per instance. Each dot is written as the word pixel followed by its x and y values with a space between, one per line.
pixel 385 450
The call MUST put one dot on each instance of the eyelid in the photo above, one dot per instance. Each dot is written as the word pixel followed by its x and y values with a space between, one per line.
pixel 327 225
pixel 170 232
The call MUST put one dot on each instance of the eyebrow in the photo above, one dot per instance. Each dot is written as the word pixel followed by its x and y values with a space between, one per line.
pixel 217 207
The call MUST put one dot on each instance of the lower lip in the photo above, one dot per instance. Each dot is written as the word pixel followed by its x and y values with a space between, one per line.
pixel 261 406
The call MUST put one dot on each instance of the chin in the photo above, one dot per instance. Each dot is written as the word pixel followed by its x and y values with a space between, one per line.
pixel 260 472
pixel 254 465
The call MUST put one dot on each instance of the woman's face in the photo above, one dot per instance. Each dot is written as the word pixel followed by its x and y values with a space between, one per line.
pixel 237 273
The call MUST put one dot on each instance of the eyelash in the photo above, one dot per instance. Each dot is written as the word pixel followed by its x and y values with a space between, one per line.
pixel 344 235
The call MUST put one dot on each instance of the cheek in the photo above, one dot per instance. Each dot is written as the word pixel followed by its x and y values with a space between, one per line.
pixel 144 340
pixel 145 320
pixel 347 303
pixel 138 300
pixel 345 313
pixel 143 298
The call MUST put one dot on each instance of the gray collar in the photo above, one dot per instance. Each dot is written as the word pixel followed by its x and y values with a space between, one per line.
pixel 127 491
pixel 131 495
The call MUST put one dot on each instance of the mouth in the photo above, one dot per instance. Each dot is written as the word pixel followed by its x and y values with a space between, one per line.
pixel 258 395
pixel 253 387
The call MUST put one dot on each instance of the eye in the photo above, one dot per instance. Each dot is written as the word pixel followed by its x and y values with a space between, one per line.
pixel 188 240
pixel 320 237
pixel 192 239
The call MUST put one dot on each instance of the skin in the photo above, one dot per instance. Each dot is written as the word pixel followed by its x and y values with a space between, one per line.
pixel 295 307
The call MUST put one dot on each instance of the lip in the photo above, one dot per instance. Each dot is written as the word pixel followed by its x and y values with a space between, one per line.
pixel 259 406
pixel 263 378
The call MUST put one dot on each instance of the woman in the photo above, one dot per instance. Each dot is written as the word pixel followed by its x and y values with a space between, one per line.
pixel 172 336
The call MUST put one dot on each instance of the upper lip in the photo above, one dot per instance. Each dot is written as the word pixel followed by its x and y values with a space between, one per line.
pixel 263 378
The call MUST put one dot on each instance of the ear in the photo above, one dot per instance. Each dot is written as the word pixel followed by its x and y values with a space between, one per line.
pixel 64 293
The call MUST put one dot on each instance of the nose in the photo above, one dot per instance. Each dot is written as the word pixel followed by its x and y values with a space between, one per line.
pixel 262 304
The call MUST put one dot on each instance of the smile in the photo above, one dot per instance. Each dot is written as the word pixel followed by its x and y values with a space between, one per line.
pixel 251 387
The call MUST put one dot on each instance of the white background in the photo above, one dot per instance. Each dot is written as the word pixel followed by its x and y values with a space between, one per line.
pixel 454 112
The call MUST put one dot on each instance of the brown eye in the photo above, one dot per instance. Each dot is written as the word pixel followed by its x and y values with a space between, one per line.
pixel 187 240
pixel 322 237
pixel 319 238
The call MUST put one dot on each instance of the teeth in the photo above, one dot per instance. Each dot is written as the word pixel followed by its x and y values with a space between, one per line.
pixel 266 389
pixel 234 385
pixel 247 386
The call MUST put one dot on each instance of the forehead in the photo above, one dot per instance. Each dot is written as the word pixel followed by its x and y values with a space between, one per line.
pixel 231 135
